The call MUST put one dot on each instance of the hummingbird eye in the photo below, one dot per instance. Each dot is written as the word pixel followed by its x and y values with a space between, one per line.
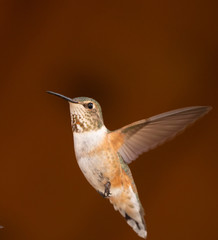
pixel 90 105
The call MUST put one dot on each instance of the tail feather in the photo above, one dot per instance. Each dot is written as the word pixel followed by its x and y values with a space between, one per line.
pixel 130 208
pixel 138 227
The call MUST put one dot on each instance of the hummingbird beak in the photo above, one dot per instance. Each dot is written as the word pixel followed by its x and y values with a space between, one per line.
pixel 61 96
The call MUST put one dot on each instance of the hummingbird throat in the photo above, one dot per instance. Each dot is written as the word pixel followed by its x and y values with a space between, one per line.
pixel 86 123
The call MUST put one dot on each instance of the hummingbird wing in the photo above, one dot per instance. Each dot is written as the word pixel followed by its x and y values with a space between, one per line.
pixel 147 134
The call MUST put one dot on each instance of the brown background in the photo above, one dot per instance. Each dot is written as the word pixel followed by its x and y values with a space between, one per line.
pixel 138 59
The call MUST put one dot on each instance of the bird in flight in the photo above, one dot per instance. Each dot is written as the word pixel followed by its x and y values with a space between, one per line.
pixel 103 156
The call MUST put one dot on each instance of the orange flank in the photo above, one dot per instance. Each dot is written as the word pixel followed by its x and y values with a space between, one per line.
pixel 116 139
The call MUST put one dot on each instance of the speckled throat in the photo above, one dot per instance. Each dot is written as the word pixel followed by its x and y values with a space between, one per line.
pixel 84 122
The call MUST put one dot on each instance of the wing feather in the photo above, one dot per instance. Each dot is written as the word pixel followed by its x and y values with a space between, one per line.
pixel 147 134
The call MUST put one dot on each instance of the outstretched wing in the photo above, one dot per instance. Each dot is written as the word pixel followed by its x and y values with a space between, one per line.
pixel 147 134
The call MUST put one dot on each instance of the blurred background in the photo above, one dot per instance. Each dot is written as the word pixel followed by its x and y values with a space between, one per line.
pixel 138 59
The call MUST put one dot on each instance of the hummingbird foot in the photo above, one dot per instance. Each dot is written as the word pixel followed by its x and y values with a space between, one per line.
pixel 107 192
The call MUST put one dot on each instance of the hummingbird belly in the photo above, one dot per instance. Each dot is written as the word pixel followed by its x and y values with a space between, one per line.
pixel 94 171
pixel 94 156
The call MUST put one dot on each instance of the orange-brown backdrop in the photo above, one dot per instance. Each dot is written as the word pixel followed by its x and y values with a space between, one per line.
pixel 138 59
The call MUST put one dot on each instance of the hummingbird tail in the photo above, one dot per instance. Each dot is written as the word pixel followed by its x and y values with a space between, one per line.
pixel 138 227
pixel 130 207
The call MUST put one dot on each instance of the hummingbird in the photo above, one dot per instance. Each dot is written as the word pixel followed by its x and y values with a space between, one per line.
pixel 103 156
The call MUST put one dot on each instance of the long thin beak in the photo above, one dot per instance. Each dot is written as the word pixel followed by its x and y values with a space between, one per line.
pixel 61 96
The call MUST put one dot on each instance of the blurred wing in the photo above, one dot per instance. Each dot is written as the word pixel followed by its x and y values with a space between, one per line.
pixel 147 134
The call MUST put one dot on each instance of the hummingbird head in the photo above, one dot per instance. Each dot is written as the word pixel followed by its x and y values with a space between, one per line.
pixel 85 113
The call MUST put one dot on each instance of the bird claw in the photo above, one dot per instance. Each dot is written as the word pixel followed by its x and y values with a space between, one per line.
pixel 107 192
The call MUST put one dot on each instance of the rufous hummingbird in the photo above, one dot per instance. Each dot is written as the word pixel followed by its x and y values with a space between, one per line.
pixel 103 156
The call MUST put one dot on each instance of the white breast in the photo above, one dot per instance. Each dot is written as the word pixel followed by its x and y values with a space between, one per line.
pixel 86 142
pixel 90 164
